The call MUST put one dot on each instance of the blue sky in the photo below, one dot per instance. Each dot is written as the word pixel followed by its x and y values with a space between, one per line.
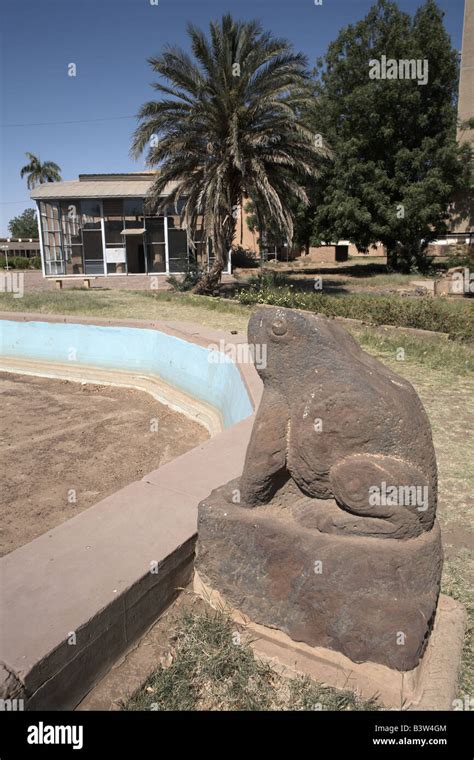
pixel 109 41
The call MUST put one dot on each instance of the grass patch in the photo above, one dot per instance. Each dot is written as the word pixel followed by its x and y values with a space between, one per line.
pixel 391 279
pixel 436 314
pixel 212 667
pixel 444 356
pixel 128 304
pixel 457 581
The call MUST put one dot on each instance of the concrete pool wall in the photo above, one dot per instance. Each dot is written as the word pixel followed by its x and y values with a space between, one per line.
pixel 179 363
pixel 107 574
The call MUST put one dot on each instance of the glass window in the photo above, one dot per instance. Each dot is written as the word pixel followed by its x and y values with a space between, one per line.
pixel 93 246
pixel 133 207
pixel 155 229
pixel 50 216
pixel 77 263
pixel 90 210
pixel 113 207
pixel 113 232
pixel 178 250
pixel 113 222
pixel 174 223
pixel 175 209
pixel 156 255
pixel 71 213
pixel 133 213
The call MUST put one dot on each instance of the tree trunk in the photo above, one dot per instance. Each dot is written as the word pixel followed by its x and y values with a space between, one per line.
pixel 392 258
pixel 222 246
pixel 260 238
pixel 210 281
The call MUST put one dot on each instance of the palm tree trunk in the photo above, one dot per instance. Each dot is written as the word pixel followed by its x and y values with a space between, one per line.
pixel 260 239
pixel 207 284
pixel 223 243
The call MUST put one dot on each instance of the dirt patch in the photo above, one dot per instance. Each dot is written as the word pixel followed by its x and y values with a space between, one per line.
pixel 65 446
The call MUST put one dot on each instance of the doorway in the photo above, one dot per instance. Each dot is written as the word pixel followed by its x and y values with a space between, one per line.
pixel 135 255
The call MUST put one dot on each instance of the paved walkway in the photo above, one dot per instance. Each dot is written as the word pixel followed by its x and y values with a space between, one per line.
pixel 35 282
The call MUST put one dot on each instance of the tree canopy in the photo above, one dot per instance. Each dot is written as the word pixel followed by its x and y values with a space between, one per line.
pixel 392 129
pixel 24 225
pixel 227 127
pixel 40 172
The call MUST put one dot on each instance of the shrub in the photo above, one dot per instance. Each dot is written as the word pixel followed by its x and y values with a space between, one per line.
pixel 269 280
pixel 461 256
pixel 425 313
pixel 15 262
pixel 35 262
pixel 192 274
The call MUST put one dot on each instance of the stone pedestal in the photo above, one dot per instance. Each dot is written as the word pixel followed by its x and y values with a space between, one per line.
pixel 370 599
pixel 432 685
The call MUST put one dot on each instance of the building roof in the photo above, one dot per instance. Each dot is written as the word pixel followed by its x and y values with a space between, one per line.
pixel 16 245
pixel 108 186
pixel 146 174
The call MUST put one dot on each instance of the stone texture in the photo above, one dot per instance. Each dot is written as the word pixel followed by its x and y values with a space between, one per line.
pixel 336 421
pixel 432 685
pixel 298 543
pixel 369 598
pixel 10 686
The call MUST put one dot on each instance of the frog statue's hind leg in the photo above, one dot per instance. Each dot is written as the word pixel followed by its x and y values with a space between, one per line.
pixel 378 486
pixel 265 463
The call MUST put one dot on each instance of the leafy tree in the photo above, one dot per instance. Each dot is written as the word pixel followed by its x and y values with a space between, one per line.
pixel 228 127
pixel 396 163
pixel 40 172
pixel 24 225
pixel 303 222
pixel 270 235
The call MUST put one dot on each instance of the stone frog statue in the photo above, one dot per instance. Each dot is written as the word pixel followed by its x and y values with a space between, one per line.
pixel 340 425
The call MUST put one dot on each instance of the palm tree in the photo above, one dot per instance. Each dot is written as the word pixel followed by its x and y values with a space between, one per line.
pixel 39 173
pixel 228 126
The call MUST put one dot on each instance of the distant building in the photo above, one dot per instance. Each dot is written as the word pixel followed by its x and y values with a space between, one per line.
pixel 27 248
pixel 466 79
pixel 463 212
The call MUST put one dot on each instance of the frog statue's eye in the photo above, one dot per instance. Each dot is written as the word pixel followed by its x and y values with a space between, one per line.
pixel 279 326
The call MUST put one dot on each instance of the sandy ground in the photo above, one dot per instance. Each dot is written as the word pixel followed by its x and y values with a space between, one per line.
pixel 64 446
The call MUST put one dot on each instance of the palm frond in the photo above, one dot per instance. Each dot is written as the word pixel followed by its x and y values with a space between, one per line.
pixel 229 125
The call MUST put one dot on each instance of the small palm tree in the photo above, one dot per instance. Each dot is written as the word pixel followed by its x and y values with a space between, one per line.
pixel 39 173
pixel 228 126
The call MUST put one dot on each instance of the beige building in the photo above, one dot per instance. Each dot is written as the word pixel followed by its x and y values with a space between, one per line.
pixel 463 216
pixel 99 225
pixel 26 248
pixel 466 81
